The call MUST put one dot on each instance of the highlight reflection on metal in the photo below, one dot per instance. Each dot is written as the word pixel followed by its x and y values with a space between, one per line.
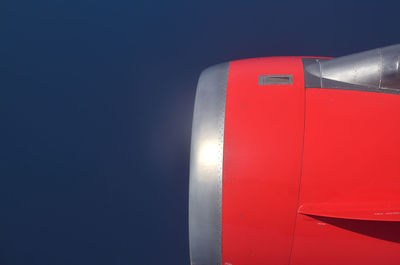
pixel 206 161
pixel 374 70
pixel 209 154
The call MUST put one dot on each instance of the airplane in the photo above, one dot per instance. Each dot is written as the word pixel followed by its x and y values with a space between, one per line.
pixel 296 161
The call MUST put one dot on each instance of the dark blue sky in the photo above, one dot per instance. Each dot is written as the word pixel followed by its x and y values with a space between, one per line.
pixel 96 100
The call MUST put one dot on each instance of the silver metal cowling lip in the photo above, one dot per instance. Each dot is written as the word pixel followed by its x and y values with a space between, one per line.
pixel 206 167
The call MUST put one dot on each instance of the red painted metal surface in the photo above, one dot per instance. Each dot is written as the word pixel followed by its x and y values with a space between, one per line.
pixel 351 170
pixel 367 211
pixel 310 176
pixel 262 161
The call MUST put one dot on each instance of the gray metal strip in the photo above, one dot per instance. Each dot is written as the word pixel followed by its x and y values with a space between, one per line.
pixel 375 71
pixel 275 80
pixel 312 80
pixel 206 167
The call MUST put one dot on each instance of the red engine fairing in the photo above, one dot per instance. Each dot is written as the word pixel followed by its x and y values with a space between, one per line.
pixel 296 161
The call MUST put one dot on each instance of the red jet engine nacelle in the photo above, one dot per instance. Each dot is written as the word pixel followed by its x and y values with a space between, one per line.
pixel 296 161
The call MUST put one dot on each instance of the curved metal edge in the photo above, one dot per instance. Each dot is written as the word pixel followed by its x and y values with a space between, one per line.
pixel 206 167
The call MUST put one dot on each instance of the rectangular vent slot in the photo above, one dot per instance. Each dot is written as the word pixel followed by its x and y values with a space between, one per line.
pixel 276 80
